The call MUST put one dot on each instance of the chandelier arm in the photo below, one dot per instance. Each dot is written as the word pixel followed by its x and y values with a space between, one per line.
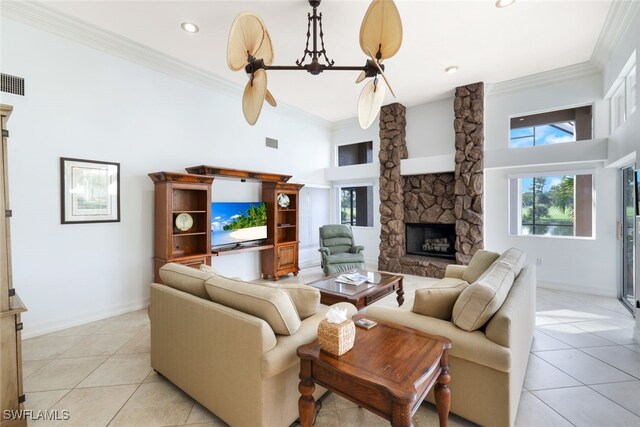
pixel 304 67
pixel 306 48
pixel 330 62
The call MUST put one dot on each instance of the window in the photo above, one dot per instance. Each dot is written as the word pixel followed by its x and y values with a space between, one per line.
pixel 623 98
pixel 356 206
pixel 552 205
pixel 554 127
pixel 355 154
pixel 631 91
pixel 618 107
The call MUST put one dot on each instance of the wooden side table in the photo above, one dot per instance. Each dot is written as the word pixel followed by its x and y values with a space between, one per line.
pixel 389 371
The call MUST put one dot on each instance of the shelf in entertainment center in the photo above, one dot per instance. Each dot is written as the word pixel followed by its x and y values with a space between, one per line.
pixel 241 250
pixel 286 210
pixel 197 233
pixel 189 212
pixel 287 226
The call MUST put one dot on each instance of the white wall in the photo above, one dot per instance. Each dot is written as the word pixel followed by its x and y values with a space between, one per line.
pixel 346 132
pixel 571 264
pixel 430 129
pixel 84 103
pixel 626 139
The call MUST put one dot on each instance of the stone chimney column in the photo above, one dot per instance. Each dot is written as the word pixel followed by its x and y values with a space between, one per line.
pixel 393 148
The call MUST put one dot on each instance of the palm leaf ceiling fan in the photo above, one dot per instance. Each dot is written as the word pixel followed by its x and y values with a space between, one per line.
pixel 250 48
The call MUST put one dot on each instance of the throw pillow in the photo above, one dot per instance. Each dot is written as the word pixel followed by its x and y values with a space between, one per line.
pixel 208 269
pixel 438 300
pixel 479 263
pixel 305 298
pixel 185 279
pixel 482 299
pixel 272 305
pixel 515 258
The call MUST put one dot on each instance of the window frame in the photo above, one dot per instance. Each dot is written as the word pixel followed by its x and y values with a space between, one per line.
pixel 552 110
pixel 514 211
pixel 338 199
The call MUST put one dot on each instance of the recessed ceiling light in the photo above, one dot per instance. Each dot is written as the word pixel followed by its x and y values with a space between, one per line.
pixel 504 3
pixel 451 69
pixel 190 27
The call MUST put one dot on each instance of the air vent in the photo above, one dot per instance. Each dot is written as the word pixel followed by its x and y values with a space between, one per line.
pixel 271 143
pixel 12 84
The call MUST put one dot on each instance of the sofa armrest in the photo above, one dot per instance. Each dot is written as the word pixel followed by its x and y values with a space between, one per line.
pixel 356 249
pixel 455 271
pixel 284 355
pixel 324 251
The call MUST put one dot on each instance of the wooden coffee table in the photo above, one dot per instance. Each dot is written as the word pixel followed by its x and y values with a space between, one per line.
pixel 332 292
pixel 389 371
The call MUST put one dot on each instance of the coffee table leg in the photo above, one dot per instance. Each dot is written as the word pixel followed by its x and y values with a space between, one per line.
pixel 400 293
pixel 442 391
pixel 306 403
pixel 401 416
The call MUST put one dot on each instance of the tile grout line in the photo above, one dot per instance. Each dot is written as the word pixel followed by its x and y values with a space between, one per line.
pixel 129 398
pixel 607 363
pixel 545 404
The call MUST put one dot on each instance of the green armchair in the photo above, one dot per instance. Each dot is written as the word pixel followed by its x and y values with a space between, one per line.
pixel 338 250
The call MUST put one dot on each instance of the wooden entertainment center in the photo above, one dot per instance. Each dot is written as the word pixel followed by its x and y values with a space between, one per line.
pixel 190 243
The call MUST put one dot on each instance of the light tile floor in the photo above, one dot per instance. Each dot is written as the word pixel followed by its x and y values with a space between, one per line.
pixel 584 370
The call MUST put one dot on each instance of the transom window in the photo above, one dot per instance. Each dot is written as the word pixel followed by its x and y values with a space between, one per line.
pixel 552 205
pixel 355 154
pixel 554 127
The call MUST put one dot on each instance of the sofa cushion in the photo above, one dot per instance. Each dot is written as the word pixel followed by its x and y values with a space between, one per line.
pixel 272 305
pixel 479 263
pixel 186 279
pixel 345 258
pixel 305 298
pixel 438 300
pixel 515 258
pixel 478 302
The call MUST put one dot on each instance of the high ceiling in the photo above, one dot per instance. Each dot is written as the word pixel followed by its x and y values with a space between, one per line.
pixel 487 43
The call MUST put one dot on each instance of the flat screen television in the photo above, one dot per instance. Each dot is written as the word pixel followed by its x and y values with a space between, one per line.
pixel 236 223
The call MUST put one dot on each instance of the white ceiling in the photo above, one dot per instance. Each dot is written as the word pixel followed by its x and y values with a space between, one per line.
pixel 487 43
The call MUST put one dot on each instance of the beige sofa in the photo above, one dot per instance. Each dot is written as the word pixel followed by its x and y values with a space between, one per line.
pixel 487 365
pixel 229 361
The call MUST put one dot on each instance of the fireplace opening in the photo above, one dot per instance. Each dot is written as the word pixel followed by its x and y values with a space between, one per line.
pixel 432 240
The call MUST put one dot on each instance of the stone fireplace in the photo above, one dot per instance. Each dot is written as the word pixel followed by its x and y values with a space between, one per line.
pixel 431 240
pixel 439 212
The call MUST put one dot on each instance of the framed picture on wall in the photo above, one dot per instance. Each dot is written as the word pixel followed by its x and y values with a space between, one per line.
pixel 90 191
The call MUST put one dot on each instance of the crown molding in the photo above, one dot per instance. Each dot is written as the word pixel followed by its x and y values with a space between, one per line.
pixel 36 14
pixel 619 19
pixel 559 75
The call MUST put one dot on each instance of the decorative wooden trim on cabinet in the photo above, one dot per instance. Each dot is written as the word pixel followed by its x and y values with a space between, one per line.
pixel 238 174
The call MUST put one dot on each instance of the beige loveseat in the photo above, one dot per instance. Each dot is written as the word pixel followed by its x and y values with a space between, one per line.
pixel 487 365
pixel 230 361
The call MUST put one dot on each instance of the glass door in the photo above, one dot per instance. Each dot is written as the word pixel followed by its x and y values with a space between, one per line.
pixel 628 233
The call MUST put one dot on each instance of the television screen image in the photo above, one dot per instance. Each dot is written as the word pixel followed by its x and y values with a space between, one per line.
pixel 237 223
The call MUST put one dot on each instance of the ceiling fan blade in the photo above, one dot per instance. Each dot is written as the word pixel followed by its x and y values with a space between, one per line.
pixel 382 74
pixel 270 99
pixel 381 29
pixel 369 103
pixel 253 96
pixel 361 77
pixel 245 38
pixel 265 51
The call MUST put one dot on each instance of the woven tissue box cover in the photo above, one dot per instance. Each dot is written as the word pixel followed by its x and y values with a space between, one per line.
pixel 336 338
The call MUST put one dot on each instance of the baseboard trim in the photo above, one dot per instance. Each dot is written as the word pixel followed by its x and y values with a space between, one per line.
pixel 32 331
pixel 569 287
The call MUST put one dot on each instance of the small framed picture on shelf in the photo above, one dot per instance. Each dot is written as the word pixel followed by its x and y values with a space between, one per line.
pixel 90 191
